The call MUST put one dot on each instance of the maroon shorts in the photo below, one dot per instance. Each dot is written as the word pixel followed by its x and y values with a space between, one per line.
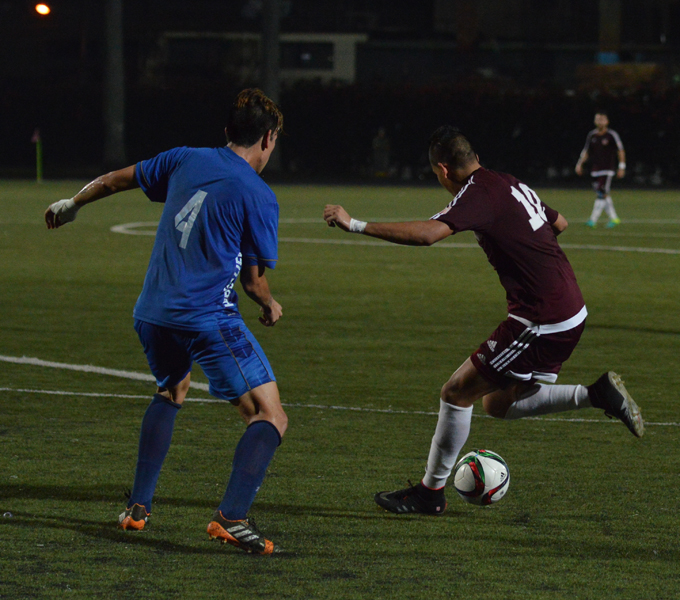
pixel 516 352
pixel 602 184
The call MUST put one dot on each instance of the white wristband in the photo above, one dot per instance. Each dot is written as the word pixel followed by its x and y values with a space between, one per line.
pixel 622 165
pixel 66 210
pixel 357 226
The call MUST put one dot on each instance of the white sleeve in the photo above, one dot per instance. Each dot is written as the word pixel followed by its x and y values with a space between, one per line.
pixel 617 139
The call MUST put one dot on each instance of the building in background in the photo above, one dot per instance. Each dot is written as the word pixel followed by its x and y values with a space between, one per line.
pixel 346 69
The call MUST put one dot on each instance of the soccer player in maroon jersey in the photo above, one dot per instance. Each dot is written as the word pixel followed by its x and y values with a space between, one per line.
pixel 546 312
pixel 604 149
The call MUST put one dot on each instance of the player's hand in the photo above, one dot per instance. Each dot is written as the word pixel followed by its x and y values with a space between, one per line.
pixel 60 213
pixel 271 314
pixel 620 174
pixel 334 215
pixel 579 170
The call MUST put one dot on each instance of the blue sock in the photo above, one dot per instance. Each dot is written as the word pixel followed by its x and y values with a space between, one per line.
pixel 253 454
pixel 154 442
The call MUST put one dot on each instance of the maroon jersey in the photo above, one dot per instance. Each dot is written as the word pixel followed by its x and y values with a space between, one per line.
pixel 603 152
pixel 512 226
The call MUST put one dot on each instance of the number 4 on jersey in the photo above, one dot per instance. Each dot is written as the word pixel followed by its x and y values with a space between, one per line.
pixel 531 202
pixel 189 212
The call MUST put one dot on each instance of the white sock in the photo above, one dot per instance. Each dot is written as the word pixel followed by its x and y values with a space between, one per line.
pixel 609 208
pixel 453 428
pixel 598 207
pixel 545 399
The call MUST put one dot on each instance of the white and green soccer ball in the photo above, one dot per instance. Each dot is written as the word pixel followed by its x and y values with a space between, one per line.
pixel 481 477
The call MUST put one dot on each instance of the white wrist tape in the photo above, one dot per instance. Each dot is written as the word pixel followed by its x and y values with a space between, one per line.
pixel 357 226
pixel 66 210
pixel 622 165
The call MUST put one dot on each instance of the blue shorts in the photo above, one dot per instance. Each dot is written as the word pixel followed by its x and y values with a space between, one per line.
pixel 231 358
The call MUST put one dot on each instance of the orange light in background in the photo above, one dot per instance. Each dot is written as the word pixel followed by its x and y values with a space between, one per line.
pixel 43 9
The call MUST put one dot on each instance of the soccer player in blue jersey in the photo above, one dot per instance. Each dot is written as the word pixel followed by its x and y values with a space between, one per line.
pixel 219 222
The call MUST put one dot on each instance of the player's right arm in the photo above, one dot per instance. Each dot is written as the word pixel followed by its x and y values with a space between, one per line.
pixel 579 165
pixel 256 286
pixel 64 211
pixel 408 233
pixel 584 154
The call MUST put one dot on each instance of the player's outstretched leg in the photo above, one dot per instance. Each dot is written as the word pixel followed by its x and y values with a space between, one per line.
pixel 154 443
pixel 609 394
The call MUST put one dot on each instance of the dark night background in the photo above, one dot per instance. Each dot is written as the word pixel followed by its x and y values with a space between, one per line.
pixel 521 77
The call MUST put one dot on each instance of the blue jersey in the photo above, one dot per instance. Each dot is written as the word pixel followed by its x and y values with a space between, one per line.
pixel 218 216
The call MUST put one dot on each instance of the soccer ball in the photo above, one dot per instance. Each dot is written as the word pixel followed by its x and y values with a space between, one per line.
pixel 481 477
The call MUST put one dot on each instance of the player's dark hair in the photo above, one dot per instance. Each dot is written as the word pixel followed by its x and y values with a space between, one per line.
pixel 251 116
pixel 602 112
pixel 450 147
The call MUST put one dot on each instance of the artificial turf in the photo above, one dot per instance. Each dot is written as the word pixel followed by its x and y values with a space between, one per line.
pixel 369 335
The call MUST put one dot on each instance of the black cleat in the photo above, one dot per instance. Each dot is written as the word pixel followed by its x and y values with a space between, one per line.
pixel 243 534
pixel 412 500
pixel 609 394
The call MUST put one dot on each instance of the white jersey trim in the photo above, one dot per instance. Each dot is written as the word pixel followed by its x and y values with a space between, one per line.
pixel 536 329
pixel 547 377
pixel 453 202
pixel 617 139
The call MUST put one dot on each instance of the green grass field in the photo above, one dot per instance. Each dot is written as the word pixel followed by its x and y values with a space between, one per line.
pixel 591 511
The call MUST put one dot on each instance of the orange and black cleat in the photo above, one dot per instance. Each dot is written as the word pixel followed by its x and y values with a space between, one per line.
pixel 133 518
pixel 243 534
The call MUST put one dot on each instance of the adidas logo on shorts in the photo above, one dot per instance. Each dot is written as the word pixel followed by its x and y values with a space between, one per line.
pixel 492 345
pixel 481 358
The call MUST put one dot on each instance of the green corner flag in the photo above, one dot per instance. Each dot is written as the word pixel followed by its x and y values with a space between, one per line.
pixel 38 155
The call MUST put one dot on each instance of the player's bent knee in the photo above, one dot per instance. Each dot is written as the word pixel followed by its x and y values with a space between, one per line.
pixel 453 392
pixel 263 404
pixel 281 422
pixel 278 421
pixel 178 392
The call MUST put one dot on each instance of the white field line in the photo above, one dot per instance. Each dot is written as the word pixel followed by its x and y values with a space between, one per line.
pixel 25 360
pixel 361 242
pixel 204 387
pixel 302 220
pixel 136 229
pixel 128 227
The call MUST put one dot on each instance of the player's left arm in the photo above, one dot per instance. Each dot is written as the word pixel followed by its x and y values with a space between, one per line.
pixel 408 233
pixel 255 285
pixel 622 163
pixel 559 225
pixel 64 211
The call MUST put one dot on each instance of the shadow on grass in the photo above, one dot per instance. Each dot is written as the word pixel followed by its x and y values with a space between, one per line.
pixel 90 493
pixel 104 530
pixel 111 493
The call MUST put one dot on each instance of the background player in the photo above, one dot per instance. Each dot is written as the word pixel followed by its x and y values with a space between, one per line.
pixel 219 219
pixel 547 313
pixel 604 149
